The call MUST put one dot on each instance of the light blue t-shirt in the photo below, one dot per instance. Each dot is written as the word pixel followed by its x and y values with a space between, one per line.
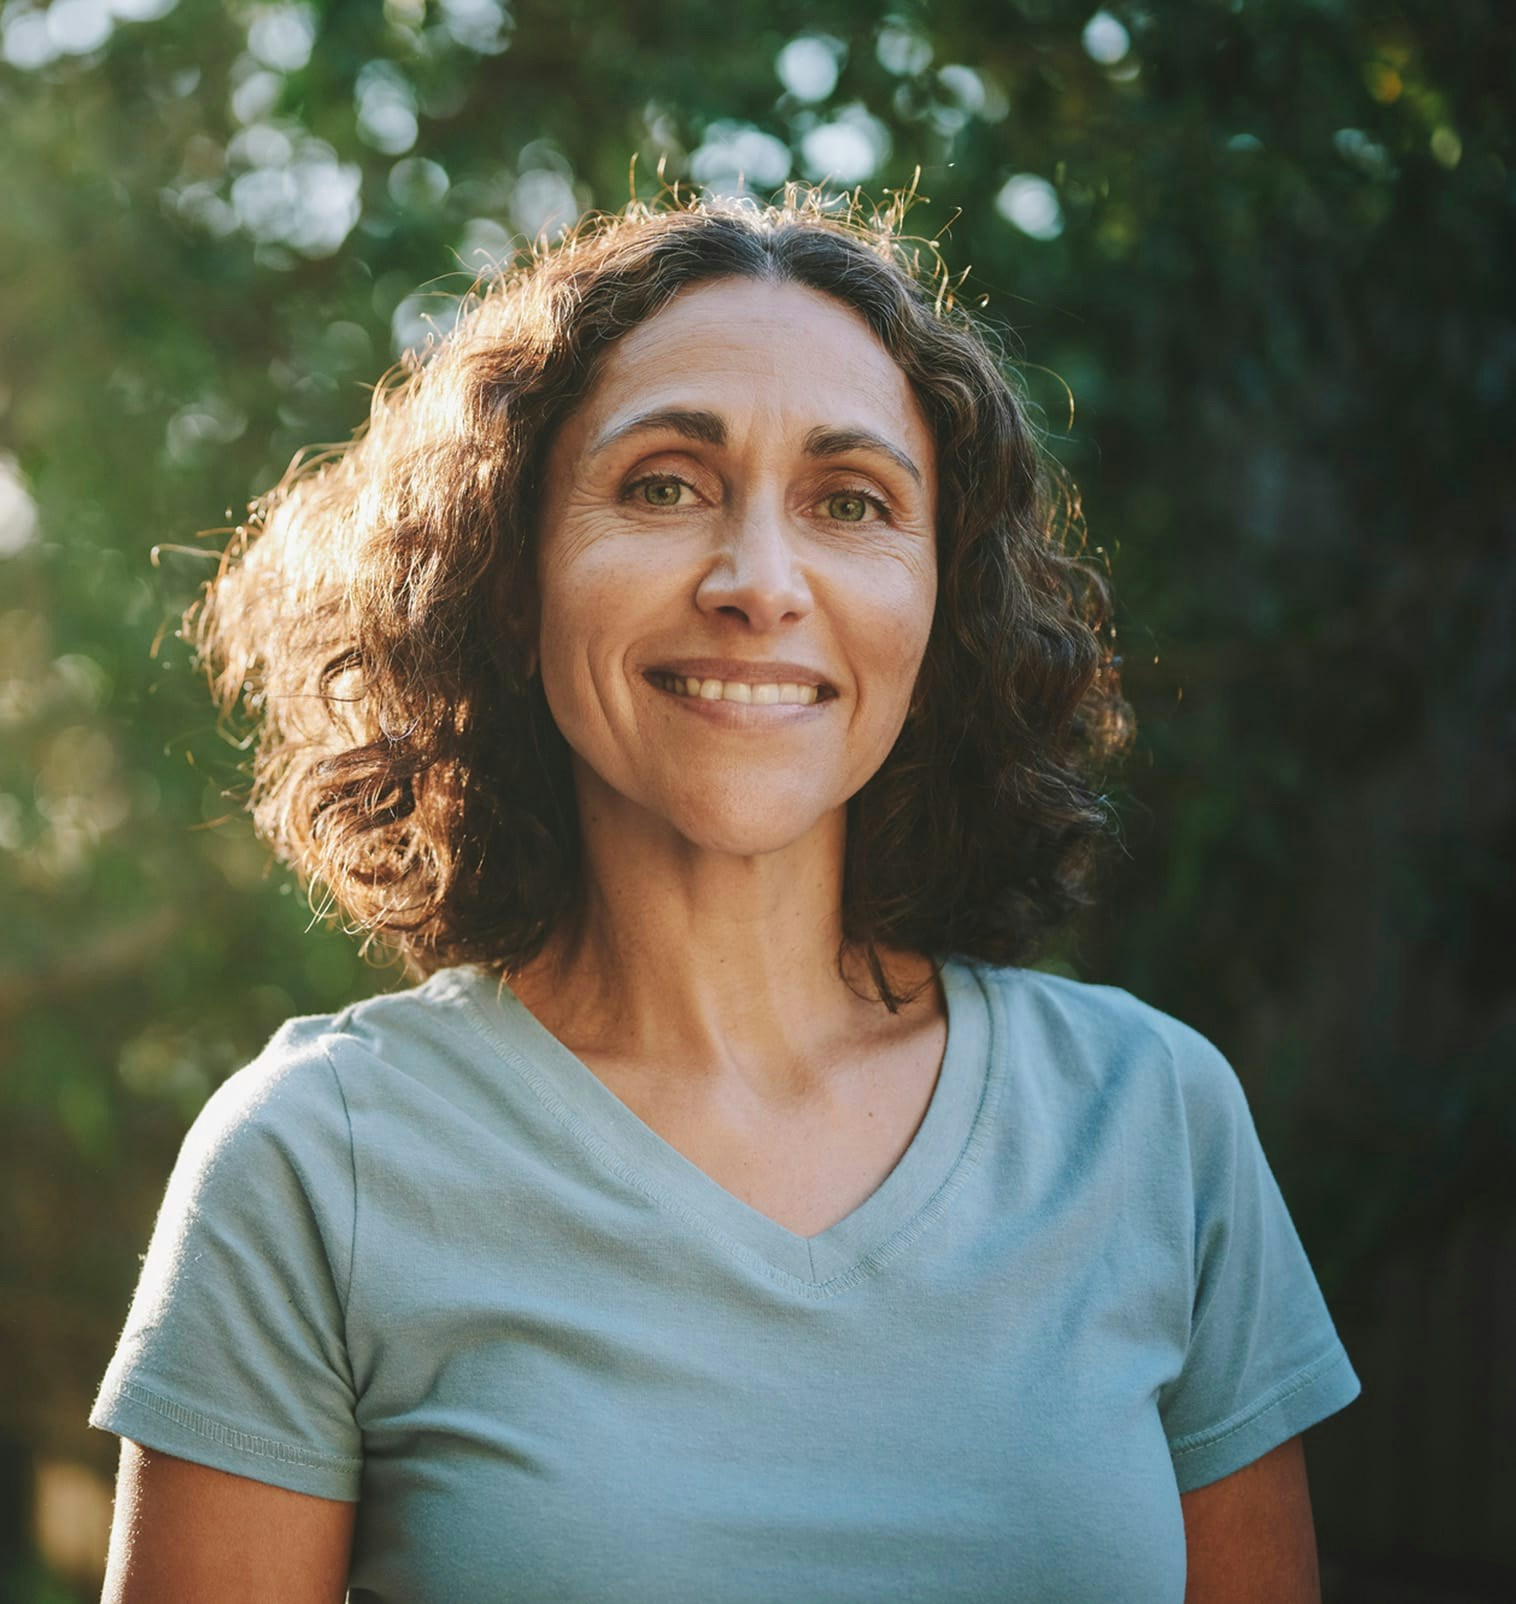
pixel 420 1256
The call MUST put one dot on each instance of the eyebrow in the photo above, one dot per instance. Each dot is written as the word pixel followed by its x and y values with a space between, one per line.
pixel 838 442
pixel 703 426
pixel 709 429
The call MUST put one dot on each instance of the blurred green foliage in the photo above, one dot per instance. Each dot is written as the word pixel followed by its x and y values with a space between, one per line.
pixel 1256 257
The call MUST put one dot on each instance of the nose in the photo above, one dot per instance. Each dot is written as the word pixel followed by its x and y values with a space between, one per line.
pixel 755 573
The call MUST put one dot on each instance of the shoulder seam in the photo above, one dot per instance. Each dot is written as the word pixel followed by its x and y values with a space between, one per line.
pixel 352 1159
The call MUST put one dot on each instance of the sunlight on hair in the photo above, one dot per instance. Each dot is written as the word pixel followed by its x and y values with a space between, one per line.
pixel 363 623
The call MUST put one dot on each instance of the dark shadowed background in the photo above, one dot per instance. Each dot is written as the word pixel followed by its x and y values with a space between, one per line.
pixel 1254 258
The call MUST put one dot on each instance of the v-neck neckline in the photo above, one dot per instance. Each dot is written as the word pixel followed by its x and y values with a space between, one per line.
pixel 868 1235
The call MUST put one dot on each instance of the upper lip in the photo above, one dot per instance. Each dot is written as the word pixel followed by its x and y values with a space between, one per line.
pixel 732 671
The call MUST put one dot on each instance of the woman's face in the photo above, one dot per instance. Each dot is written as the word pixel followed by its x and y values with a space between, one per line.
pixel 737 566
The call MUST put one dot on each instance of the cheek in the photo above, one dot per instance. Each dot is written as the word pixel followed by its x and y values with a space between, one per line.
pixel 897 622
pixel 582 595
pixel 594 606
pixel 571 605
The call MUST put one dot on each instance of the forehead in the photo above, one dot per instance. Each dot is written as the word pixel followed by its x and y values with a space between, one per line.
pixel 743 348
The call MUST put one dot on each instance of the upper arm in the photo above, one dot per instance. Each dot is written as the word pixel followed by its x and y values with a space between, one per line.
pixel 185 1533
pixel 1249 1537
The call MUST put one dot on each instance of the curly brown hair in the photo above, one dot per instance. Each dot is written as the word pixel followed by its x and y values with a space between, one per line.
pixel 407 765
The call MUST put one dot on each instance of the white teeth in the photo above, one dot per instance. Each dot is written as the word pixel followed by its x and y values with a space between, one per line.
pixel 715 690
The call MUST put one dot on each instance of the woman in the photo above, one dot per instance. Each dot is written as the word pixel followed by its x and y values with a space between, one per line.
pixel 683 674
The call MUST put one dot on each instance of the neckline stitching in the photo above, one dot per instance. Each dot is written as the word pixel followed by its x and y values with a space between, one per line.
pixel 864 1268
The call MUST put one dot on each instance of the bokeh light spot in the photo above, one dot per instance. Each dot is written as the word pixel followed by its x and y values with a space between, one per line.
pixel 18 512
pixel 386 104
pixel 807 67
pixel 848 149
pixel 77 27
pixel 141 10
pixel 417 184
pixel 902 52
pixel 483 26
pixel 964 85
pixel 25 42
pixel 1031 204
pixel 281 37
pixel 1105 39
pixel 484 246
pixel 735 156
pixel 255 95
pixel 420 320
pixel 543 202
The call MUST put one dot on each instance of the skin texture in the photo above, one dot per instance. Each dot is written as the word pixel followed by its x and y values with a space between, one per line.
pixel 751 562
pixel 715 848
pixel 184 1534
pixel 1249 1538
pixel 787 513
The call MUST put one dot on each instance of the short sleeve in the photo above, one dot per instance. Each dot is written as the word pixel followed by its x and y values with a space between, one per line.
pixel 233 1355
pixel 1263 1360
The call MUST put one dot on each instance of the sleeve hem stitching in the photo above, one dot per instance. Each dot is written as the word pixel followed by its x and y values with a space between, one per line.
pixel 1286 1390
pixel 245 1442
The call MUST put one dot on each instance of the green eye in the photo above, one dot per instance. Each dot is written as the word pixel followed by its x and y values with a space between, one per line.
pixel 661 492
pixel 847 509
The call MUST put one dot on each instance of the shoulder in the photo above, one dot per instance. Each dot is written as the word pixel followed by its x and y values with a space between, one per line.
pixel 265 1173
pixel 296 1079
pixel 289 1072
pixel 1103 1037
pixel 284 1109
pixel 289 1100
pixel 328 1089
pixel 1104 1017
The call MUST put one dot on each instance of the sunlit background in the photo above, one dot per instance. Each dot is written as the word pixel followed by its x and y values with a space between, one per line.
pixel 1252 260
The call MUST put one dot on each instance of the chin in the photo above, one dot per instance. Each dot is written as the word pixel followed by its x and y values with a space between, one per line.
pixel 748 824
pixel 744 833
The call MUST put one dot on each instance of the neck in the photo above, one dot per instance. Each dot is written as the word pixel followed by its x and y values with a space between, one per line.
pixel 712 961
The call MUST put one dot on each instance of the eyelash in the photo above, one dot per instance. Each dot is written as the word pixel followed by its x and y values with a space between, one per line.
pixel 880 506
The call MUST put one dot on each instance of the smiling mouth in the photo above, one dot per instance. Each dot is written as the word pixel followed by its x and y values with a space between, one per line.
pixel 764 694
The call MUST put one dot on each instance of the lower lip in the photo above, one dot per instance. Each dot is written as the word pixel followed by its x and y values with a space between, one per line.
pixel 746 715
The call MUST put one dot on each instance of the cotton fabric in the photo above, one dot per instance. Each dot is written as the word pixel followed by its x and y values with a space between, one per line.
pixel 419 1255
